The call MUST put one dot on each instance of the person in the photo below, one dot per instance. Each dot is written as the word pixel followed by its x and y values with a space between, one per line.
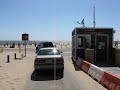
pixel 18 45
pixel 35 44
pixel 116 44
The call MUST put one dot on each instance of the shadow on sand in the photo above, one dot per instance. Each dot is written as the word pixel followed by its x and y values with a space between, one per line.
pixel 46 75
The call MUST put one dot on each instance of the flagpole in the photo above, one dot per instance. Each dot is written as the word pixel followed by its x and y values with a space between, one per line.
pixel 94 23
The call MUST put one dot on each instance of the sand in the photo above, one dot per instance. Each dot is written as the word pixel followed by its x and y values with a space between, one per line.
pixel 13 75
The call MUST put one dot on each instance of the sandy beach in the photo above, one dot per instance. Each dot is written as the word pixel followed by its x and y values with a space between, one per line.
pixel 14 74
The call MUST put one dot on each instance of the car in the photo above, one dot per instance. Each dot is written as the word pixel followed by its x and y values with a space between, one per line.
pixel 12 45
pixel 49 59
pixel 44 45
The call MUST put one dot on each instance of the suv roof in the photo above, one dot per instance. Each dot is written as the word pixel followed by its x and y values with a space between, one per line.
pixel 46 44
pixel 49 48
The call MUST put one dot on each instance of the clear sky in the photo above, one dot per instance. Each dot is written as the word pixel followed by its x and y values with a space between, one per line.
pixel 54 19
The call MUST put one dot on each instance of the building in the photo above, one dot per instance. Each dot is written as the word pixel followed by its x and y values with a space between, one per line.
pixel 93 44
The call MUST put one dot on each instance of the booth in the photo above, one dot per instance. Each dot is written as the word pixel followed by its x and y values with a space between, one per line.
pixel 92 44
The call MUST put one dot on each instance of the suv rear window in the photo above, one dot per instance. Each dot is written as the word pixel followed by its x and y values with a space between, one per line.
pixel 48 44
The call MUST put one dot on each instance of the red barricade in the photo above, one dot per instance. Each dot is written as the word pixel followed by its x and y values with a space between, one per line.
pixel 111 81
pixel 85 66
pixel 117 87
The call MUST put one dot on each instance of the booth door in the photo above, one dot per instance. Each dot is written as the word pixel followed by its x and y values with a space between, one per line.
pixel 80 47
pixel 101 48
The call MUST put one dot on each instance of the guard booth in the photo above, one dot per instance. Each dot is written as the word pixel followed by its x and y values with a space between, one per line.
pixel 92 44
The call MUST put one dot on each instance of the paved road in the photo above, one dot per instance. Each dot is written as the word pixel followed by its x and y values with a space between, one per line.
pixel 70 80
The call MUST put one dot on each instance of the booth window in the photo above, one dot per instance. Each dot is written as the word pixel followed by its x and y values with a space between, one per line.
pixel 80 41
pixel 73 41
pixel 101 45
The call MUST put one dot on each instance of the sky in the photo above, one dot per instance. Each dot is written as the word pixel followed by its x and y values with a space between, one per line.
pixel 55 19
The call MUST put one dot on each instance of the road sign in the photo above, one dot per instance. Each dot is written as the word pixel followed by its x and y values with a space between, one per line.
pixel 25 36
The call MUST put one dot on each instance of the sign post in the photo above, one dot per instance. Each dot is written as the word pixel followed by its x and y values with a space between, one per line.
pixel 25 48
pixel 19 47
pixel 25 37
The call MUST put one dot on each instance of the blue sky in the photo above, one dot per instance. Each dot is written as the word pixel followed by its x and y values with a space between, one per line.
pixel 54 19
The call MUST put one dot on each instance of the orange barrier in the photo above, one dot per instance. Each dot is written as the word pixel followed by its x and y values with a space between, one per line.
pixel 111 81
pixel 85 66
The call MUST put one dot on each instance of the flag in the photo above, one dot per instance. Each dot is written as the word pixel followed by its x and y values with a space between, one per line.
pixel 82 22
pixel 78 22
